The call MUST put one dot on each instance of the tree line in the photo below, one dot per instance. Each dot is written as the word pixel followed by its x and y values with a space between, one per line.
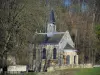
pixel 19 19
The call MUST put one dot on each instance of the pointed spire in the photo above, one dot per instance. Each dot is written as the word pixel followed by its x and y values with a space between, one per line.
pixel 51 27
pixel 52 18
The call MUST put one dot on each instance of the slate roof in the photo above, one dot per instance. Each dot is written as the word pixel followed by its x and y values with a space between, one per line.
pixel 55 39
pixel 43 39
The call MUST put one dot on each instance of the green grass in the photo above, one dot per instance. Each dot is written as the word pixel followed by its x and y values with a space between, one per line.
pixel 84 71
pixel 30 73
pixel 88 71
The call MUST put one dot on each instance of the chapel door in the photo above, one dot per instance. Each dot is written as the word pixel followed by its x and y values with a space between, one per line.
pixel 75 59
pixel 67 59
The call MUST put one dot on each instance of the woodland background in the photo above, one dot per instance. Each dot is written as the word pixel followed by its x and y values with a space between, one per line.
pixel 19 19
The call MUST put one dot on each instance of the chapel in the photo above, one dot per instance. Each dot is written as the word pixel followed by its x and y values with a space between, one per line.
pixel 55 47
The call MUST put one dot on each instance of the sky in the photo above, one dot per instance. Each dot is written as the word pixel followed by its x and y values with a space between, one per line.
pixel 84 6
pixel 67 2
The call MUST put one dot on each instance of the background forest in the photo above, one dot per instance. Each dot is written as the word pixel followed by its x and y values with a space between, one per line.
pixel 20 19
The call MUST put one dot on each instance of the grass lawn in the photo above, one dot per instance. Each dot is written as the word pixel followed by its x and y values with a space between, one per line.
pixel 31 73
pixel 88 71
pixel 84 71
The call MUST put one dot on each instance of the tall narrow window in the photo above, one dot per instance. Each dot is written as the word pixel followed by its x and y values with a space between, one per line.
pixel 75 59
pixel 44 54
pixel 54 53
pixel 67 59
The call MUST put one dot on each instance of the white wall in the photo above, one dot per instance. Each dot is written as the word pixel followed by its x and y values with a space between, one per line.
pixel 17 68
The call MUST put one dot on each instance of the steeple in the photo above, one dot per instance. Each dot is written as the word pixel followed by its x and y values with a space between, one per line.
pixel 51 27
pixel 52 18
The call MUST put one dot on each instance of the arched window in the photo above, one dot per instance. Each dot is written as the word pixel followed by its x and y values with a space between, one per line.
pixel 75 59
pixel 54 53
pixel 67 59
pixel 44 54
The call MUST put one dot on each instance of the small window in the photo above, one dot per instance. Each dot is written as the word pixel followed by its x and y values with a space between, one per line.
pixel 44 54
pixel 54 53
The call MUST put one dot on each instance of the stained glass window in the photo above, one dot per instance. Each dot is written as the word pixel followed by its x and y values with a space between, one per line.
pixel 44 54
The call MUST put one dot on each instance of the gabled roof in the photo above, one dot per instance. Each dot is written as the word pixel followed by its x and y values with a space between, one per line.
pixel 66 39
pixel 63 39
pixel 68 46
pixel 43 39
